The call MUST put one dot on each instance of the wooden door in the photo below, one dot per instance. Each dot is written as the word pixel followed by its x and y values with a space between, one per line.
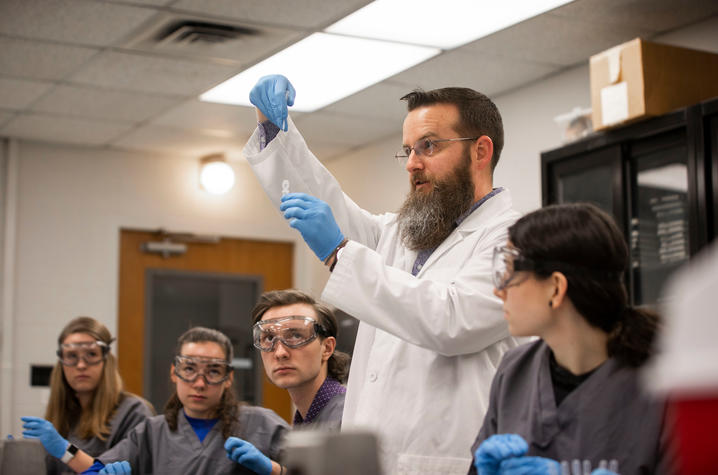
pixel 270 260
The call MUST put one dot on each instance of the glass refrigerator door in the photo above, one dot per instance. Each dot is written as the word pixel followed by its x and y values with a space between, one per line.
pixel 659 219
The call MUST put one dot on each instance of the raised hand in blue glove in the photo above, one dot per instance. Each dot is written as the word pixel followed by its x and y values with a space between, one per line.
pixel 39 428
pixel 248 456
pixel 603 471
pixel 497 448
pixel 314 219
pixel 116 468
pixel 271 95
pixel 529 466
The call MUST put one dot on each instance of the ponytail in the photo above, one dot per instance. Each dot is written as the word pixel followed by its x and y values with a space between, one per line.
pixel 338 366
pixel 632 338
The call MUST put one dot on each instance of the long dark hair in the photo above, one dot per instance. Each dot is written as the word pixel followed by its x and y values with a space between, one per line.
pixel 584 243
pixel 229 407
pixel 338 363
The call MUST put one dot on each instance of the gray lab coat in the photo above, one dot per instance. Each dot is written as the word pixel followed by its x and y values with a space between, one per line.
pixel 131 411
pixel 329 418
pixel 607 417
pixel 153 448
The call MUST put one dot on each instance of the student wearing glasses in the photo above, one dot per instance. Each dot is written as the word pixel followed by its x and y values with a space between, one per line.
pixel 297 337
pixel 204 428
pixel 431 332
pixel 573 396
pixel 88 412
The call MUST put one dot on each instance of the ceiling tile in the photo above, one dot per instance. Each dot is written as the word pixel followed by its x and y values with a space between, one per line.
pixel 134 72
pixel 156 3
pixel 16 94
pixel 40 60
pixel 209 116
pixel 102 104
pixel 323 127
pixel 488 74
pixel 554 40
pixel 63 130
pixel 72 21
pixel 654 15
pixel 5 116
pixel 295 14
pixel 180 142
pixel 381 101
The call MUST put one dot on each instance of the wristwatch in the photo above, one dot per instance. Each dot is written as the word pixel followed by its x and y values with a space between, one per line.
pixel 70 452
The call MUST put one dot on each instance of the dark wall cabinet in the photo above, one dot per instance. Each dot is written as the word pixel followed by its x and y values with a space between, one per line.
pixel 658 178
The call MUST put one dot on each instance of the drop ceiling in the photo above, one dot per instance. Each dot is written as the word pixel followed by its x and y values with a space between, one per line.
pixel 91 73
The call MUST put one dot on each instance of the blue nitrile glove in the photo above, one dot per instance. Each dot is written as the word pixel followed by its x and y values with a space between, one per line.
pixel 39 428
pixel 314 219
pixel 116 468
pixel 248 456
pixel 497 448
pixel 603 471
pixel 271 95
pixel 529 466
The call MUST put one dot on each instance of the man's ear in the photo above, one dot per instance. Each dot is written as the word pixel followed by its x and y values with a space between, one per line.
pixel 483 151
pixel 328 346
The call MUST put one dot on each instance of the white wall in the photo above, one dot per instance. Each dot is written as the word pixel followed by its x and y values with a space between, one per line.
pixel 71 203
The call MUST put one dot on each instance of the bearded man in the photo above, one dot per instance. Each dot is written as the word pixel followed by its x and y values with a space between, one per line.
pixel 432 333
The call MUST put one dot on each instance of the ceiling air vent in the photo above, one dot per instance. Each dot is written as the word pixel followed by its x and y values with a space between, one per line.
pixel 197 33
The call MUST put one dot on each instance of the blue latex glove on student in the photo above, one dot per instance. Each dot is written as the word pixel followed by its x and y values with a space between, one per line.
pixel 117 468
pixel 314 219
pixel 497 448
pixel 529 466
pixel 39 428
pixel 271 95
pixel 248 456
pixel 603 471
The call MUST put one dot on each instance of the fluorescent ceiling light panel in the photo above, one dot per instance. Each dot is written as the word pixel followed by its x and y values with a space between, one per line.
pixel 446 24
pixel 324 68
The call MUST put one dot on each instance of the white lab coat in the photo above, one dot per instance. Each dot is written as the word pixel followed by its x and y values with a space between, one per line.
pixel 428 346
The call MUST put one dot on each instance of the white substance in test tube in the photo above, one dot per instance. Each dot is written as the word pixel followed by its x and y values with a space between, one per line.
pixel 285 187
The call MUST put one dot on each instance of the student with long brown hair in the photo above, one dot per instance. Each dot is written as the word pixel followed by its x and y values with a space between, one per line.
pixel 204 428
pixel 88 412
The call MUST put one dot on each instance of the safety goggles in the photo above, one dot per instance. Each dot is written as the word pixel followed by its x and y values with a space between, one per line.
pixel 425 147
pixel 292 331
pixel 91 352
pixel 213 370
pixel 506 261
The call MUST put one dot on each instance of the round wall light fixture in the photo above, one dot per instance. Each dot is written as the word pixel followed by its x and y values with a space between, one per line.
pixel 216 176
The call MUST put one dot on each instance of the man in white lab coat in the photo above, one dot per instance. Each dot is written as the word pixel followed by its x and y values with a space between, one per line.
pixel 431 333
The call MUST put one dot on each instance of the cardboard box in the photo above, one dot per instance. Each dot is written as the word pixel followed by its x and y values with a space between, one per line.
pixel 640 79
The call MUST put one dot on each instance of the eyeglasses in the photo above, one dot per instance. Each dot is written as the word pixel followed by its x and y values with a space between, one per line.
pixel 424 147
pixel 91 352
pixel 292 331
pixel 213 370
pixel 506 261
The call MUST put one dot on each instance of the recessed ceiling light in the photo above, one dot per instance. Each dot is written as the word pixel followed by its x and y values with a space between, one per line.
pixel 324 68
pixel 446 24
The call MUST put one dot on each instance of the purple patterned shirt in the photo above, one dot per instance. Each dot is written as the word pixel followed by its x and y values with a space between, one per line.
pixel 329 388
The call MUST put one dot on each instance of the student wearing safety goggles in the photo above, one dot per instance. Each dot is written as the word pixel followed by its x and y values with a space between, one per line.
pixel 204 428
pixel 297 338
pixel 88 412
pixel 572 399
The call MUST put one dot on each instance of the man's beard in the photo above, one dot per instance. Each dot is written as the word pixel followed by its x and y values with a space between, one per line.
pixel 426 219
